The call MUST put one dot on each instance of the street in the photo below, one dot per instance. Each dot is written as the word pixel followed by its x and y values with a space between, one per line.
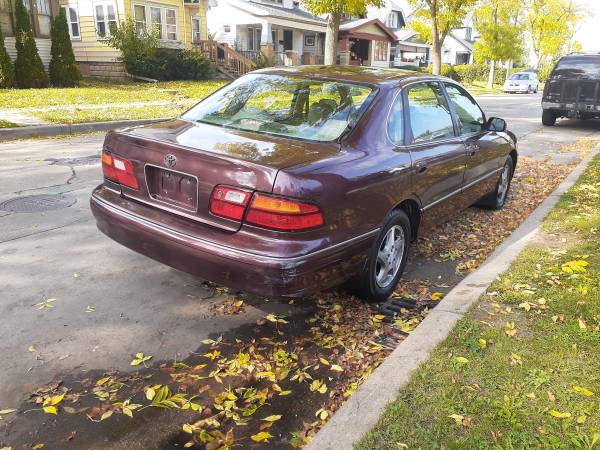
pixel 73 301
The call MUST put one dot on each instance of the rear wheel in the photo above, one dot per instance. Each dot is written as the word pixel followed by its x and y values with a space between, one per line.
pixel 497 198
pixel 548 117
pixel 387 258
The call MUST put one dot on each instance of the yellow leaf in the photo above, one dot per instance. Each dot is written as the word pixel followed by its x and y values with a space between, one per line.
pixel 187 428
pixel 526 306
pixel 50 410
pixel 106 415
pixel 336 368
pixel 461 360
pixel 101 381
pixel 482 343
pixel 583 391
pixel 559 415
pixel 324 361
pixel 7 411
pixel 581 420
pixel 437 296
pixel 582 324
pixel 263 436
pixel 273 418
pixel 238 303
pixel 150 393
pixel 322 414
pixel 37 446
pixel 56 399
pixel 457 418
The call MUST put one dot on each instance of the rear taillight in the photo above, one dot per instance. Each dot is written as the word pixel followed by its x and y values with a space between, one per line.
pixel 229 202
pixel 118 169
pixel 283 214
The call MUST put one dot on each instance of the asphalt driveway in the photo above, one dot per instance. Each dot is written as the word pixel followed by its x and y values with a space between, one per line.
pixel 72 301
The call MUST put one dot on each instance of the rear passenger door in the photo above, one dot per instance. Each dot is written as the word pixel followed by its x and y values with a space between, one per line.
pixel 485 151
pixel 438 155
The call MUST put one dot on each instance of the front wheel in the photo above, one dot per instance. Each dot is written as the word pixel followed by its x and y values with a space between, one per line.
pixel 497 198
pixel 387 258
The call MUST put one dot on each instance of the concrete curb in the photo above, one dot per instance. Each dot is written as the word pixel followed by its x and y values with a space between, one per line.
pixel 359 414
pixel 8 134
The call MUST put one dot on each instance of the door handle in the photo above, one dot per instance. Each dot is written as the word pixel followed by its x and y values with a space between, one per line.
pixel 421 168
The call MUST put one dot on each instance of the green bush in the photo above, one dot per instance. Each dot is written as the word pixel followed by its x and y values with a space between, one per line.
pixel 7 71
pixel 29 70
pixel 170 65
pixel 63 68
pixel 446 71
pixel 261 60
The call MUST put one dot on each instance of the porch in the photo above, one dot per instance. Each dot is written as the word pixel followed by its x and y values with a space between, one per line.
pixel 288 46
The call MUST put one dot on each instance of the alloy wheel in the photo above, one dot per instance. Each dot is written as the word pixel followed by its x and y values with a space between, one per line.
pixel 503 185
pixel 389 256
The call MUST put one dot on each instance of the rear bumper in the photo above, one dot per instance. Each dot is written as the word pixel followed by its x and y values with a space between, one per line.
pixel 259 274
pixel 587 108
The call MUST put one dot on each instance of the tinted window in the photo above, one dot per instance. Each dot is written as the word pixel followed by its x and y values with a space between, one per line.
pixel 284 105
pixel 520 76
pixel 430 118
pixel 578 66
pixel 396 122
pixel 469 114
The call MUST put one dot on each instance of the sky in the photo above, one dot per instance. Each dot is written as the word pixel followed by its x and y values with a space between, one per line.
pixel 589 31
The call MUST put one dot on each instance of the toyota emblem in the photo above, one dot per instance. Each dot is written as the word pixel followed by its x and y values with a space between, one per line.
pixel 170 160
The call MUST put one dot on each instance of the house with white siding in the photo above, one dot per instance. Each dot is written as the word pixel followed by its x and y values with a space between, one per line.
pixel 40 13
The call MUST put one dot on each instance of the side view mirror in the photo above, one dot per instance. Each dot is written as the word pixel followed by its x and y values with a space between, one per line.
pixel 496 124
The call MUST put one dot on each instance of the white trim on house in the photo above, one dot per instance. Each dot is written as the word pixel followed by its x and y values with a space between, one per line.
pixel 168 32
pixel 70 22
pixel 106 19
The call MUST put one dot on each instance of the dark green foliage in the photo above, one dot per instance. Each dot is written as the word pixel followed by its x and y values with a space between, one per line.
pixel 168 65
pixel 29 70
pixel 7 71
pixel 63 68
pixel 468 73
pixel 446 71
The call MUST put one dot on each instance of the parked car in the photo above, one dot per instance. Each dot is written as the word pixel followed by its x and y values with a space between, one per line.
pixel 524 82
pixel 292 180
pixel 573 89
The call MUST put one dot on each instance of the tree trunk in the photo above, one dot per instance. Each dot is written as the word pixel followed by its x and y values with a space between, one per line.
pixel 490 83
pixel 436 45
pixel 331 38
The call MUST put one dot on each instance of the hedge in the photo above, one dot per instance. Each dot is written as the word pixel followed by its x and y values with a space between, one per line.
pixel 169 65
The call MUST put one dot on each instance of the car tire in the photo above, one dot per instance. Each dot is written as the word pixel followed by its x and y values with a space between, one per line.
pixel 497 199
pixel 377 283
pixel 548 117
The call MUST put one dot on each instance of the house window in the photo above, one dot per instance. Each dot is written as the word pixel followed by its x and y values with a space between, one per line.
pixel 105 19
pixel 254 38
pixel 381 51
pixel 5 17
pixel 196 29
pixel 150 18
pixel 392 20
pixel 171 24
pixel 72 21
pixel 44 17
pixel 139 13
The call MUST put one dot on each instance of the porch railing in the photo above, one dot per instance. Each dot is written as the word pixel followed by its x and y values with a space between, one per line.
pixel 225 57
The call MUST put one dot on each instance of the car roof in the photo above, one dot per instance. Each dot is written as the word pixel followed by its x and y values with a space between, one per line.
pixel 359 74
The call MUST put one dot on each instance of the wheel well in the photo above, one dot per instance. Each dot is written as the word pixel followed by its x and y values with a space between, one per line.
pixel 412 210
pixel 514 157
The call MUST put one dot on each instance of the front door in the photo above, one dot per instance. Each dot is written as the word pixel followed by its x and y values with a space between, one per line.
pixel 196 29
pixel 485 151
pixel 288 40
pixel 438 155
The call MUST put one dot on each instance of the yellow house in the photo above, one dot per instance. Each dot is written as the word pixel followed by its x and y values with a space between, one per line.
pixel 180 24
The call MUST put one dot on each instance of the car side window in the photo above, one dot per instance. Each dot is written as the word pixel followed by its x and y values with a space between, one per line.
pixel 430 118
pixel 395 125
pixel 469 114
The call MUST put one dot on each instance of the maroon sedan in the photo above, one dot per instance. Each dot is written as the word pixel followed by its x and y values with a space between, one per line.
pixel 289 181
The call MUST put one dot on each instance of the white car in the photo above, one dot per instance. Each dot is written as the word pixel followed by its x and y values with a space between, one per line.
pixel 526 82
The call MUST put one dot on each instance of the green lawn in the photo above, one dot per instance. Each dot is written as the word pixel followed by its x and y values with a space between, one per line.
pixel 6 124
pixel 98 101
pixel 480 87
pixel 522 369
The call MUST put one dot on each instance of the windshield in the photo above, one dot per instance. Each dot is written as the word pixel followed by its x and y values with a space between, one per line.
pixel 578 66
pixel 284 105
pixel 520 76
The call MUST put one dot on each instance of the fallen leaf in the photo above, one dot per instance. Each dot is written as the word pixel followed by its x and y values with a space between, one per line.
pixel 559 415
pixel 263 436
pixel 583 391
pixel 461 360
pixel 273 418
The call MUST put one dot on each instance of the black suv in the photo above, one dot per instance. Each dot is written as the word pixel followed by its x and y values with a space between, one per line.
pixel 573 89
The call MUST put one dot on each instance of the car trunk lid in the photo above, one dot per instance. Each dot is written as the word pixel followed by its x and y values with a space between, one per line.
pixel 178 164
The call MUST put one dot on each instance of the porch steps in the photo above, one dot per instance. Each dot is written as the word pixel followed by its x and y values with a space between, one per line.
pixel 224 59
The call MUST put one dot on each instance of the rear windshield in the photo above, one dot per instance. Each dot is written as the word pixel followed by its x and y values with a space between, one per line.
pixel 578 66
pixel 284 105
pixel 520 76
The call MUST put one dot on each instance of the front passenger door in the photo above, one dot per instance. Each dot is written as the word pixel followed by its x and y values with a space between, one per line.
pixel 438 155
pixel 485 151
